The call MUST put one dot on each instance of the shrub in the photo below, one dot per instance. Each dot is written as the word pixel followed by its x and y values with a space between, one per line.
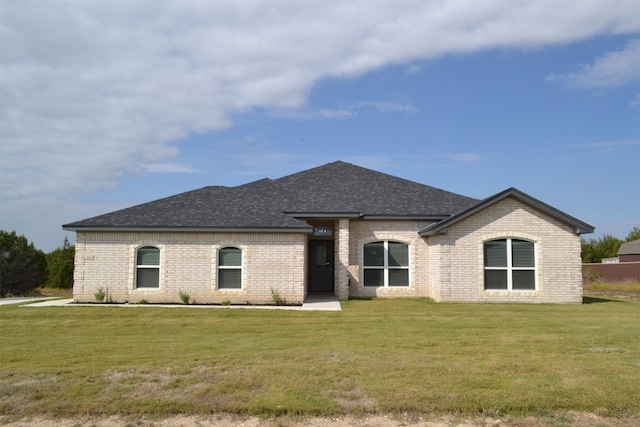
pixel 184 297
pixel 590 275
pixel 100 295
pixel 277 299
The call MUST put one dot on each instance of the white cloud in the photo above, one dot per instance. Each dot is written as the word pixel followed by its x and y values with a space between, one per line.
pixel 92 90
pixel 463 157
pixel 347 112
pixel 320 114
pixel 387 107
pixel 168 167
pixel 613 69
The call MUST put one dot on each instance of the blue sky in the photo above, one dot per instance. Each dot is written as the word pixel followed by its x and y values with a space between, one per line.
pixel 109 106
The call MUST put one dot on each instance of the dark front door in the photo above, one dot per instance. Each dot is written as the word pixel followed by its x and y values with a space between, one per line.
pixel 320 265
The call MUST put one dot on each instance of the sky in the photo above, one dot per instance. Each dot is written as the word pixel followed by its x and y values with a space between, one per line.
pixel 109 104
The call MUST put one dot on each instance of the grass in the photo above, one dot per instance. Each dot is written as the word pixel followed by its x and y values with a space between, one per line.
pixel 384 356
pixel 624 290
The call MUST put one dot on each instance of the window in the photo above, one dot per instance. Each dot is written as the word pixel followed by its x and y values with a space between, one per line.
pixel 509 264
pixel 386 263
pixel 148 267
pixel 229 268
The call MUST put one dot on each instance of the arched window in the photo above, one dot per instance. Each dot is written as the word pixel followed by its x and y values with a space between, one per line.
pixel 509 264
pixel 230 268
pixel 386 263
pixel 148 267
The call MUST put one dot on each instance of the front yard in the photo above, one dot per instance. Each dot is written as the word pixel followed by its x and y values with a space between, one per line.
pixel 376 356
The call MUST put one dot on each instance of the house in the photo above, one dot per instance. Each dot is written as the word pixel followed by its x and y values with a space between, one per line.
pixel 337 229
pixel 629 251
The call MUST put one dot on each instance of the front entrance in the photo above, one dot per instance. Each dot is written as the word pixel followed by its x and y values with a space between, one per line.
pixel 321 266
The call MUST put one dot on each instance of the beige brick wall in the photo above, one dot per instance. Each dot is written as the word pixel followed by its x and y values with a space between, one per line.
pixel 461 272
pixel 188 262
pixel 445 267
pixel 362 232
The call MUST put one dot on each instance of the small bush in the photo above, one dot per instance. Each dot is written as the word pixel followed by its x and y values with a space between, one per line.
pixel 590 275
pixel 277 299
pixel 100 295
pixel 226 302
pixel 184 297
pixel 143 301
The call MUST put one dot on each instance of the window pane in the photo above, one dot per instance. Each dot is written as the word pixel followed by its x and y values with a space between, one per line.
pixel 374 254
pixel 398 277
pixel 230 257
pixel 524 280
pixel 373 277
pixel 522 253
pixel 398 254
pixel 495 279
pixel 148 278
pixel 230 279
pixel 148 255
pixel 495 253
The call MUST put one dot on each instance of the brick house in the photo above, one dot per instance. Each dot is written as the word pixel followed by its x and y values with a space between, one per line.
pixel 337 229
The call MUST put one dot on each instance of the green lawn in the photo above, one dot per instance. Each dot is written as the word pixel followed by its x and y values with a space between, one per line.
pixel 400 355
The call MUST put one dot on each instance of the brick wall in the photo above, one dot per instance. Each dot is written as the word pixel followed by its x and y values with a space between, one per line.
pixel 461 256
pixel 188 263
pixel 362 232
pixel 446 267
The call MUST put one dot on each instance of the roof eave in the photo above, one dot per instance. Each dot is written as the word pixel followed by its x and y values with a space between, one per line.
pixel 406 217
pixel 306 230
pixel 349 215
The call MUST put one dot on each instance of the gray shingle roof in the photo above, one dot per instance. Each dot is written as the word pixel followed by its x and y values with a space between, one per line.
pixel 335 188
pixel 630 248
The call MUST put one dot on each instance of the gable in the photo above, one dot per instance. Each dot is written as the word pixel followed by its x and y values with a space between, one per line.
pixel 576 225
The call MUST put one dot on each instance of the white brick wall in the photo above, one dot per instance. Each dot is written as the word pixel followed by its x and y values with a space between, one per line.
pixel 188 263
pixel 461 267
pixel 445 267
pixel 362 232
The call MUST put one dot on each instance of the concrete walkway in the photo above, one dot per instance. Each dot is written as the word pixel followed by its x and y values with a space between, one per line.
pixel 18 300
pixel 313 302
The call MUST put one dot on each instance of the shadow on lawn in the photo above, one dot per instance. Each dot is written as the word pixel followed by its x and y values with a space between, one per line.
pixel 596 300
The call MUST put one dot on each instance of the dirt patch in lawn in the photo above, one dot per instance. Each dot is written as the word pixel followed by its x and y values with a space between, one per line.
pixel 568 419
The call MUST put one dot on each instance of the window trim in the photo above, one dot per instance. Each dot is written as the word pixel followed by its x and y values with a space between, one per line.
pixel 147 266
pixel 386 267
pixel 229 267
pixel 509 268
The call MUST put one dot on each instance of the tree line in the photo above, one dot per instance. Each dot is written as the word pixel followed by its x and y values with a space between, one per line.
pixel 607 246
pixel 23 268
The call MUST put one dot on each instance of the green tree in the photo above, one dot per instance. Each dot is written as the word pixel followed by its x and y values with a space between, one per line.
pixel 60 266
pixel 606 246
pixel 22 266
pixel 633 234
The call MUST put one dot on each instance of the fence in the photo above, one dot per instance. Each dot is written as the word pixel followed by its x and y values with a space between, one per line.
pixel 619 272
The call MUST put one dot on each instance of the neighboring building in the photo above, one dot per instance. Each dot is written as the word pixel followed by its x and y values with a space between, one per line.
pixel 629 251
pixel 338 229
